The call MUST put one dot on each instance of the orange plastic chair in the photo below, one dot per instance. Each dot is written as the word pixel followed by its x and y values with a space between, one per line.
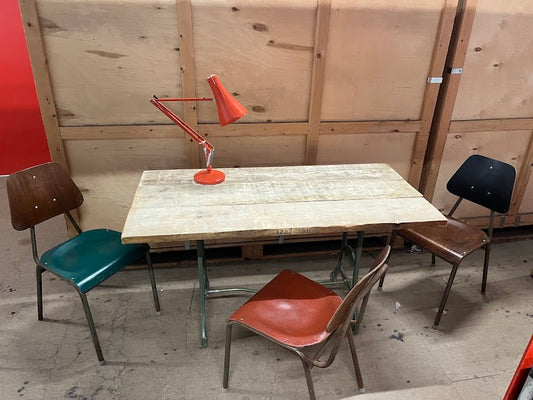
pixel 297 313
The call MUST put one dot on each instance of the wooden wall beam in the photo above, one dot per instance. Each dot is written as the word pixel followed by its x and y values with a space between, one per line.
pixel 188 76
pixel 41 76
pixel 438 60
pixel 337 128
pixel 522 179
pixel 253 129
pixel 487 125
pixel 462 30
pixel 318 78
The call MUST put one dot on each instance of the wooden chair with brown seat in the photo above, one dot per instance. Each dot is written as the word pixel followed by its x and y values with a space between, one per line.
pixel 305 318
pixel 484 181
pixel 39 193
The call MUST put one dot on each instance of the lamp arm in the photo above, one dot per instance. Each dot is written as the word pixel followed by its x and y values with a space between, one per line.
pixel 209 149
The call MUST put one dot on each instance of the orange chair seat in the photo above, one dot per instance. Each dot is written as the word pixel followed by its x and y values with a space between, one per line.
pixel 451 242
pixel 291 309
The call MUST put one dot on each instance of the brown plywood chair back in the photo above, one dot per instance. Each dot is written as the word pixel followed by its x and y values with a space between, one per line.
pixel 40 193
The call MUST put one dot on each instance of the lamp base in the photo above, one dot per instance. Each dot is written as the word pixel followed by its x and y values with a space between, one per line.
pixel 212 177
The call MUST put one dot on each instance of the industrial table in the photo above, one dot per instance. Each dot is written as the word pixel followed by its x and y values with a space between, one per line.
pixel 272 201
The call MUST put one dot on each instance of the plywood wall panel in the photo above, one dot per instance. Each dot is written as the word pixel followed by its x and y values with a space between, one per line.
pixel 378 60
pixel 107 58
pixel 108 171
pixel 261 50
pixel 497 80
pixel 259 151
pixel 391 148
pixel 507 146
pixel 527 202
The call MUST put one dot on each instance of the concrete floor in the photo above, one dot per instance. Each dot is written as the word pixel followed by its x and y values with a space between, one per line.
pixel 472 356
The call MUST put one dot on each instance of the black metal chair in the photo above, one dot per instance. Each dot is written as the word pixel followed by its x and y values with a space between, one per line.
pixel 484 181
pixel 39 193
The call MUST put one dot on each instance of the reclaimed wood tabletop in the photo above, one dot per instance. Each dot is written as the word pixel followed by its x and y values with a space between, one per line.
pixel 272 201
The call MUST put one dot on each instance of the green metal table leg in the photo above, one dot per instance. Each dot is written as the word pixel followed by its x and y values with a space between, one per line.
pixel 357 257
pixel 339 270
pixel 202 274
pixel 355 276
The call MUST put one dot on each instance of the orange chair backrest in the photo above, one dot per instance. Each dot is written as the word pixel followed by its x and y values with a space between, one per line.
pixel 359 291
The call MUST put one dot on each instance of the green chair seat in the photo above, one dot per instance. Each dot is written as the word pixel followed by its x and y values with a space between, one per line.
pixel 91 257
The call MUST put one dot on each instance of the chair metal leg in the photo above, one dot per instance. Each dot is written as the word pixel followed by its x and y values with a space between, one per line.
pixel 152 281
pixel 39 278
pixel 202 282
pixel 358 374
pixel 390 242
pixel 227 355
pixel 445 296
pixel 485 269
pixel 92 328
pixel 433 259
pixel 309 380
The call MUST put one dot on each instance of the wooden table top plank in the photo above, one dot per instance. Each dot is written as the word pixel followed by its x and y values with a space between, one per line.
pixel 233 221
pixel 273 201
pixel 298 184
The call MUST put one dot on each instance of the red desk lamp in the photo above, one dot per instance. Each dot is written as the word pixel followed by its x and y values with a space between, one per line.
pixel 229 110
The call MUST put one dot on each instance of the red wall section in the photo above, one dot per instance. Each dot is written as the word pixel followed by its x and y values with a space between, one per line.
pixel 22 137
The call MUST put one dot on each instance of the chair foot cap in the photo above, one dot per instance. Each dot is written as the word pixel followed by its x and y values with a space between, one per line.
pixel 158 313
pixel 436 327
pixel 225 390
pixel 101 362
pixel 380 289
pixel 362 390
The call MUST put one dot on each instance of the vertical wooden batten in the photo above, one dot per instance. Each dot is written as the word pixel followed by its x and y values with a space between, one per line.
pixel 45 93
pixel 522 180
pixel 188 76
pixel 317 79
pixel 436 69
pixel 439 131
pixel 41 76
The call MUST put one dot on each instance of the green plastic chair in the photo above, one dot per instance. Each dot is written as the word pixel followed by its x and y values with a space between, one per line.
pixel 39 193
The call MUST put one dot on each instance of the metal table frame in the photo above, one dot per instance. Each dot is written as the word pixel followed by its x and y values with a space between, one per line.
pixel 346 251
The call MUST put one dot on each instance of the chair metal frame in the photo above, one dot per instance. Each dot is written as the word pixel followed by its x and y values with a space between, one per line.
pixel 40 268
pixel 338 327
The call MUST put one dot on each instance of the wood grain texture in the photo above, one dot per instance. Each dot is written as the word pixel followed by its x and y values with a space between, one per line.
pixel 496 81
pixel 320 52
pixel 462 30
pixel 39 63
pixel 379 56
pixel 188 76
pixel 258 202
pixel 261 50
pixel 107 59
pixel 391 148
pixel 440 51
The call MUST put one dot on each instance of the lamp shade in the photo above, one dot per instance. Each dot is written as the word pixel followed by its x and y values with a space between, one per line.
pixel 229 109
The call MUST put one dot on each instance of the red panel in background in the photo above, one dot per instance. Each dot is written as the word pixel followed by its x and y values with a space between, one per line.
pixel 22 138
